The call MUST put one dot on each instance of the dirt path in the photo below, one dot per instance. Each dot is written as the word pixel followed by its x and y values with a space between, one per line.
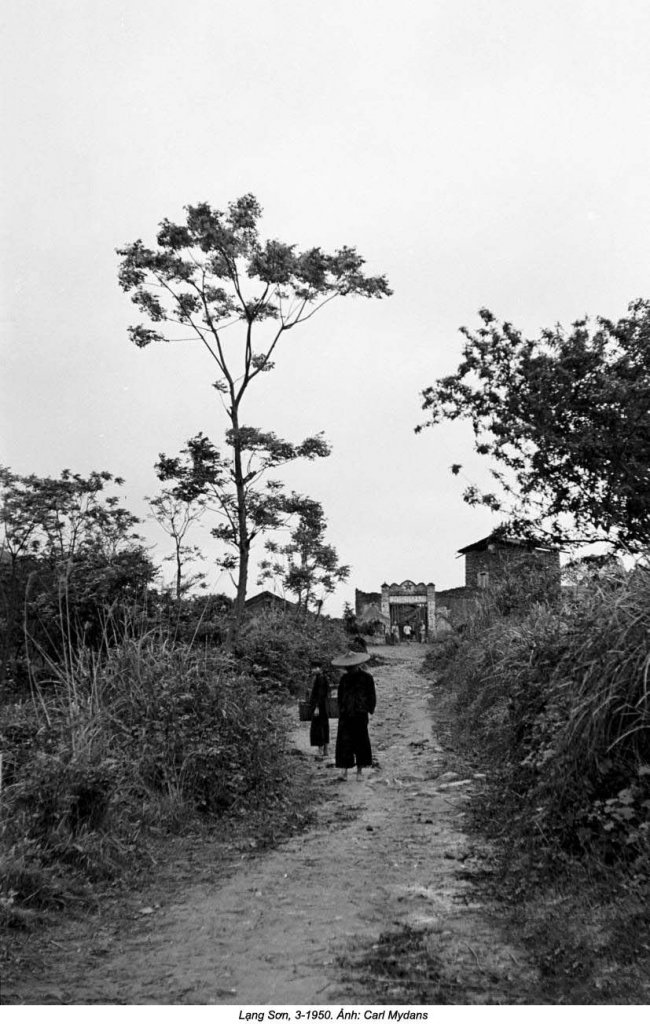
pixel 384 853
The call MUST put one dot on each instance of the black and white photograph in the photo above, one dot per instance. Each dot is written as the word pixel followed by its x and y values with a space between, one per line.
pixel 325 508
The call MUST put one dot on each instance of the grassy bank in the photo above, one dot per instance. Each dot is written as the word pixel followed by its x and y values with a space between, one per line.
pixel 113 751
pixel 551 701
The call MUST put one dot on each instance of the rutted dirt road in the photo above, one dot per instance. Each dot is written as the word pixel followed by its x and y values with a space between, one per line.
pixel 385 852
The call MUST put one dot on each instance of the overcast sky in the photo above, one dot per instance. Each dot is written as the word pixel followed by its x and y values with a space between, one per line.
pixel 489 153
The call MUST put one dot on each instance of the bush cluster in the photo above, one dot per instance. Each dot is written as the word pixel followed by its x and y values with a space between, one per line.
pixel 278 649
pixel 555 699
pixel 151 733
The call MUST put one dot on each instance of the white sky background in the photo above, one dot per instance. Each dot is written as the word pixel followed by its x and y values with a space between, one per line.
pixel 489 153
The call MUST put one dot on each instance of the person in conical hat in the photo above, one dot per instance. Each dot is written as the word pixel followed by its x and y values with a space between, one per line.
pixel 357 700
pixel 350 659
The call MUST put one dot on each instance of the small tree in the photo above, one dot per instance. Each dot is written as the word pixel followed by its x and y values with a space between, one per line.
pixel 565 419
pixel 202 473
pixel 175 516
pixel 307 566
pixel 350 619
pixel 213 273
pixel 69 556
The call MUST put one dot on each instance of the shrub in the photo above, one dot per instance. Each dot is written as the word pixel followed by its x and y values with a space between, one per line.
pixel 278 649
pixel 148 729
pixel 193 724
pixel 556 701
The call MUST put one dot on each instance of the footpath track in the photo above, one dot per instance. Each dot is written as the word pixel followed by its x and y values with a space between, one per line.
pixel 384 853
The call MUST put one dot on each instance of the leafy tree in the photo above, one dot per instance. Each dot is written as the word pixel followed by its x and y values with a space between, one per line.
pixel 307 566
pixel 175 516
pixel 56 516
pixel 202 473
pixel 69 555
pixel 213 273
pixel 350 619
pixel 565 420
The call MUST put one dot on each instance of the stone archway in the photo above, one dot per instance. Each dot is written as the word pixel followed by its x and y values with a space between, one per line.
pixel 412 603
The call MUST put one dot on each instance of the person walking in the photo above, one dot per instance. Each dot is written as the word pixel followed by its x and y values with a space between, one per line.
pixel 319 729
pixel 407 632
pixel 357 700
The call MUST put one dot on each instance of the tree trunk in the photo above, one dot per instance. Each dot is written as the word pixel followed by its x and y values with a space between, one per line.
pixel 179 575
pixel 243 542
pixel 12 605
pixel 242 581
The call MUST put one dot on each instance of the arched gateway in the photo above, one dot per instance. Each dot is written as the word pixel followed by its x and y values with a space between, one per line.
pixel 412 603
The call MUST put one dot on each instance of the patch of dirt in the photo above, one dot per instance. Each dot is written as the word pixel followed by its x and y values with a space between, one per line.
pixel 384 868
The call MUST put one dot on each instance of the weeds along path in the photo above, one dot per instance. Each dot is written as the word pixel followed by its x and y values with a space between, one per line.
pixel 385 853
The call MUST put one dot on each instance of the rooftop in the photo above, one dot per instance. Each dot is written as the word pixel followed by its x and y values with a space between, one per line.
pixel 503 540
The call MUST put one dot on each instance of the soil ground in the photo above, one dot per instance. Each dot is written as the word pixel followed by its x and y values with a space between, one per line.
pixel 320 918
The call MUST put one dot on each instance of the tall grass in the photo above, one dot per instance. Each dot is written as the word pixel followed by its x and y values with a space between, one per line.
pixel 150 732
pixel 555 699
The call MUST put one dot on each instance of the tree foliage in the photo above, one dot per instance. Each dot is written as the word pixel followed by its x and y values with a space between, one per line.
pixel 202 473
pixel 214 270
pixel 307 566
pixel 350 619
pixel 69 555
pixel 213 273
pixel 564 419
pixel 55 517
pixel 176 516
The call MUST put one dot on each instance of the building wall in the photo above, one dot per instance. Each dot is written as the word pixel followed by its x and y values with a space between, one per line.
pixel 501 558
pixel 459 602
pixel 363 599
pixel 454 607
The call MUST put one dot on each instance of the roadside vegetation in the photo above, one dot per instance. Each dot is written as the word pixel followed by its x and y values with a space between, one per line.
pixel 123 717
pixel 549 687
pixel 126 706
pixel 550 700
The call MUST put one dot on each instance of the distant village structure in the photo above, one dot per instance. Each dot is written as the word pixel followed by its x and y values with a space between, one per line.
pixel 402 604
pixel 419 604
pixel 265 601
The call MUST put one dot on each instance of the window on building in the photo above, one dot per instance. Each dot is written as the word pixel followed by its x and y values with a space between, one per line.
pixel 483 579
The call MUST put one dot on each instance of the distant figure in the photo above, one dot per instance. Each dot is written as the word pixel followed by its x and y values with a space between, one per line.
pixel 423 633
pixel 319 730
pixel 394 632
pixel 407 632
pixel 357 699
pixel 358 644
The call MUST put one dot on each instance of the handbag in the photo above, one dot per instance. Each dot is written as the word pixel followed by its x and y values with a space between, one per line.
pixel 306 710
pixel 332 707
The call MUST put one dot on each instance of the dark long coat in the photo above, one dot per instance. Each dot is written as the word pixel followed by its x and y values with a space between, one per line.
pixel 357 699
pixel 319 730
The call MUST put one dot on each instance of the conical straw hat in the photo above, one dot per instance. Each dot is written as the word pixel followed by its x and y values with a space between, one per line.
pixel 349 659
